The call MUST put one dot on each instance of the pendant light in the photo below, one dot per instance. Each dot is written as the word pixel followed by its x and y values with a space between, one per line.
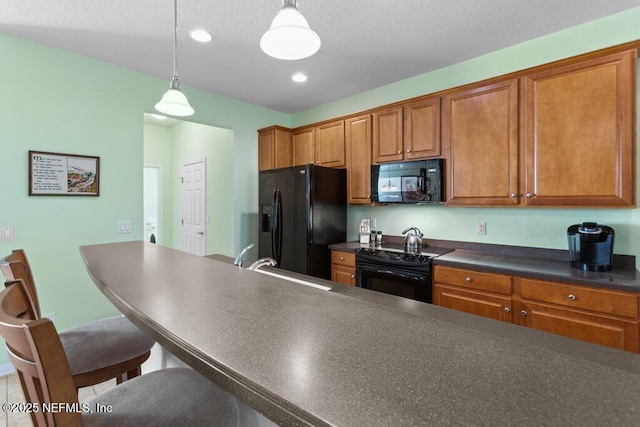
pixel 174 102
pixel 290 36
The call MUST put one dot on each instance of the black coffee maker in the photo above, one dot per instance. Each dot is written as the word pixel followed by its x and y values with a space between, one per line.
pixel 591 246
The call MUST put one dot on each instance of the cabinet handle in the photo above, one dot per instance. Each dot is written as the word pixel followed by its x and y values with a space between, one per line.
pixel 523 312
pixel 572 297
pixel 513 195
pixel 468 279
pixel 507 310
pixel 531 195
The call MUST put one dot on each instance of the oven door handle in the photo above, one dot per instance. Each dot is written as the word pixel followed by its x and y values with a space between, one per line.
pixel 396 273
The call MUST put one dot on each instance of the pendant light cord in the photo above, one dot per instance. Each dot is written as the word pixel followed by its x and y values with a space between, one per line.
pixel 175 40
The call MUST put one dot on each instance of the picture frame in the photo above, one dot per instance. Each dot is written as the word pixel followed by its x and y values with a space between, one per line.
pixel 58 174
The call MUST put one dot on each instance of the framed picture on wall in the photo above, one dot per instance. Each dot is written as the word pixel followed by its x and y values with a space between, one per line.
pixel 57 174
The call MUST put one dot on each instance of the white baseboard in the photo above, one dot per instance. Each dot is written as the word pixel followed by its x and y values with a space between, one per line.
pixel 6 369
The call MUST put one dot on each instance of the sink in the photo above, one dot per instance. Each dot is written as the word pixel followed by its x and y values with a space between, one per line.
pixel 291 279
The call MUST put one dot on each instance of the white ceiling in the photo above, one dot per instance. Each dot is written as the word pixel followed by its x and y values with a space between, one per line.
pixel 365 43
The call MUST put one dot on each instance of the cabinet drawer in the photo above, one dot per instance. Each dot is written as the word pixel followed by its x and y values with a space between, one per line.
pixel 343 258
pixel 599 300
pixel 496 283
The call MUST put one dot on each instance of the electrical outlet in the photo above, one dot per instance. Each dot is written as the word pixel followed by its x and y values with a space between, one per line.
pixel 481 228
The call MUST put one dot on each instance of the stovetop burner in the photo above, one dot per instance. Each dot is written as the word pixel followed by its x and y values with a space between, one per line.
pixel 393 254
pixel 396 252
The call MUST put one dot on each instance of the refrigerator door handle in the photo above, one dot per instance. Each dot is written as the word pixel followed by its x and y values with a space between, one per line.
pixel 276 226
pixel 279 230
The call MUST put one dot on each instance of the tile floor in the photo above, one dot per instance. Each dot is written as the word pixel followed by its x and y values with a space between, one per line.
pixel 11 391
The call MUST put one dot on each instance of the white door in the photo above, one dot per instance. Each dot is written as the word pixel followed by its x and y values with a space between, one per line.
pixel 192 203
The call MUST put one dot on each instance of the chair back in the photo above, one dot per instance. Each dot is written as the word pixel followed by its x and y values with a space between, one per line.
pixel 16 266
pixel 36 352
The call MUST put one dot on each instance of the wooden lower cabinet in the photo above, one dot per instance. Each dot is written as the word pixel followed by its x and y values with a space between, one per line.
pixel 480 303
pixel 594 328
pixel 596 315
pixel 343 267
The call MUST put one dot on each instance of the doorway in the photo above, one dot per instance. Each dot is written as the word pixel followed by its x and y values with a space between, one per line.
pixel 152 210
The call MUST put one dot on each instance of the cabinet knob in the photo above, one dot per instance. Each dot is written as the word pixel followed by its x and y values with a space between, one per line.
pixel 341 258
pixel 408 150
pixel 507 310
pixel 523 312
pixel 399 152
pixel 531 195
pixel 353 276
pixel 572 297
pixel 513 195
pixel 468 279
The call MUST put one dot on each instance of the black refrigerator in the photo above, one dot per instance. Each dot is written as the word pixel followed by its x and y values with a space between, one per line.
pixel 303 209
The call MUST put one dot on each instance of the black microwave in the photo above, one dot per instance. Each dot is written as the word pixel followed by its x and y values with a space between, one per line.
pixel 419 181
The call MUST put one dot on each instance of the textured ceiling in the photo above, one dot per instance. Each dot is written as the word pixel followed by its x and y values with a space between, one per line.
pixel 365 43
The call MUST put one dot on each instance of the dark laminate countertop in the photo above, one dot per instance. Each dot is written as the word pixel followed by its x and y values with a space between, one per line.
pixel 353 357
pixel 528 262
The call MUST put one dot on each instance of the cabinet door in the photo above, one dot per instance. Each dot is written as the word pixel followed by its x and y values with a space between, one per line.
pixel 358 145
pixel 593 328
pixel 579 133
pixel 422 129
pixel 344 275
pixel 265 149
pixel 478 303
pixel 274 148
pixel 480 134
pixel 303 147
pixel 329 144
pixel 387 135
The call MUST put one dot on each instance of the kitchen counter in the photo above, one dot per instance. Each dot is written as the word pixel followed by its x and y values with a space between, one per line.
pixel 543 264
pixel 302 356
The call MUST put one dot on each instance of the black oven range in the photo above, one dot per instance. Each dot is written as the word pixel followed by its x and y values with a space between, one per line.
pixel 393 271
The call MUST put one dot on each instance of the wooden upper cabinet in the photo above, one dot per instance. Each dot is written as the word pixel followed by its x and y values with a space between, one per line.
pixel 480 136
pixel 387 135
pixel 274 148
pixel 303 146
pixel 579 126
pixel 422 129
pixel 329 144
pixel 358 145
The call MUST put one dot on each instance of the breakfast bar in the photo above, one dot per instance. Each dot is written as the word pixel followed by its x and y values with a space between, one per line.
pixel 349 356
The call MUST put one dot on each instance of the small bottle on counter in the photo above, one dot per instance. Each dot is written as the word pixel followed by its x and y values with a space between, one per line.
pixel 378 237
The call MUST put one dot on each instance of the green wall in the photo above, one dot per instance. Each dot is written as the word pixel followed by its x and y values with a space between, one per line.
pixel 524 227
pixel 62 102
pixel 57 101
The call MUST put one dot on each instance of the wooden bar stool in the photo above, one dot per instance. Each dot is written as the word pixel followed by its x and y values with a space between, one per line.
pixel 96 351
pixel 169 397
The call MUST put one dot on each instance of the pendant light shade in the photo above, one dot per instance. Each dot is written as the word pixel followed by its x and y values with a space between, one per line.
pixel 174 102
pixel 290 37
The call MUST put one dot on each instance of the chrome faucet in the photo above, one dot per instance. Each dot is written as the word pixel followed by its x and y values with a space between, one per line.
pixel 238 260
pixel 262 262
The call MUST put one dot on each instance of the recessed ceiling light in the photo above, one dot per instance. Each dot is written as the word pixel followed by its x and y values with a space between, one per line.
pixel 299 77
pixel 159 116
pixel 200 36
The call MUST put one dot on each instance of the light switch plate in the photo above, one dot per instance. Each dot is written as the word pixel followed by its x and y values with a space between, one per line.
pixel 123 227
pixel 7 234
